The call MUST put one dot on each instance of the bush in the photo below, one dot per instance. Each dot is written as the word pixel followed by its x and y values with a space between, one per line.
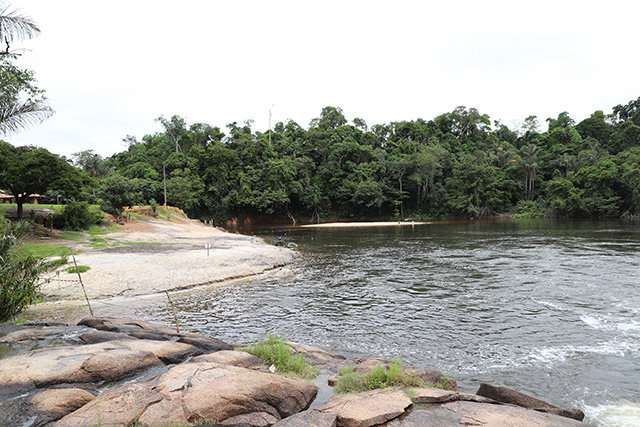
pixel 382 377
pixel 78 216
pixel 274 351
pixel 19 271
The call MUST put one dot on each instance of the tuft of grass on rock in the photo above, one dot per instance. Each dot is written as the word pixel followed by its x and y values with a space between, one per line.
pixel 274 351
pixel 395 375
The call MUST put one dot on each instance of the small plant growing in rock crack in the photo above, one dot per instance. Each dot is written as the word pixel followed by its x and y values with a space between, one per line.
pixel 274 351
pixel 395 375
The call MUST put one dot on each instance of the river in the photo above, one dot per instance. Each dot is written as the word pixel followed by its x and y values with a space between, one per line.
pixel 550 308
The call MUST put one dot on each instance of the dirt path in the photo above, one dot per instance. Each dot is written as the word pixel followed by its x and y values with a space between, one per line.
pixel 152 256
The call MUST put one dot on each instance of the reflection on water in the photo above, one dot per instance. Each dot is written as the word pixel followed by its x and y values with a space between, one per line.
pixel 549 308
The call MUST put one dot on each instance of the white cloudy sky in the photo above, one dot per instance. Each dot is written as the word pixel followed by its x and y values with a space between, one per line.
pixel 111 67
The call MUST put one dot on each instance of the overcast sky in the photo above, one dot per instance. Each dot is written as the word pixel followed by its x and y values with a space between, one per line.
pixel 110 68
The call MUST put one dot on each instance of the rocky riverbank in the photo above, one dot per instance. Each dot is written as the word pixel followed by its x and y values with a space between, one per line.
pixel 122 372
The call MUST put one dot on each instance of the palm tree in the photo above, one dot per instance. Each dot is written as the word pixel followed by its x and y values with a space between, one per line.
pixel 529 158
pixel 16 114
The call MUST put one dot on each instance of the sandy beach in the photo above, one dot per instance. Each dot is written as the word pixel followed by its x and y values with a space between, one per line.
pixel 152 256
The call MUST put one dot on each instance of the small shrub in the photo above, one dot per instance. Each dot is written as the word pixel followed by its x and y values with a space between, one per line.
pixel 274 351
pixel 19 271
pixel 380 377
pixel 78 216
pixel 153 205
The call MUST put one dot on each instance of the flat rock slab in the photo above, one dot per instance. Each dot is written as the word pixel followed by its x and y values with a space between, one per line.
pixel 432 395
pixel 110 328
pixel 316 356
pixel 368 408
pixel 124 325
pixel 506 395
pixel 234 358
pixel 42 407
pixel 190 392
pixel 92 363
pixel 464 414
pixel 310 418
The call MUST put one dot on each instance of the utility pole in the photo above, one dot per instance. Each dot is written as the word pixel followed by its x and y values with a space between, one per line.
pixel 164 177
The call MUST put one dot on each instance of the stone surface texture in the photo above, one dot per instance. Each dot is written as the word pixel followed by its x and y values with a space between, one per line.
pixel 310 418
pixel 506 395
pixel 464 414
pixel 366 409
pixel 234 358
pixel 200 391
pixel 91 363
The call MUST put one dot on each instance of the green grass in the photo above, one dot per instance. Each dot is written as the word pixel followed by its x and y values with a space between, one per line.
pixel 29 206
pixel 97 230
pixel 41 250
pixel 70 235
pixel 81 268
pixel 382 377
pixel 55 263
pixel 274 351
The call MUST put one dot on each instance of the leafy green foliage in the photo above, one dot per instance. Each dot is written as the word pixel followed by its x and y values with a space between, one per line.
pixel 117 191
pixel 382 377
pixel 274 351
pixel 19 283
pixel 78 216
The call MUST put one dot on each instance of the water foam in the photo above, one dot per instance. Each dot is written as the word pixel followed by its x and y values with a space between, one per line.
pixel 624 413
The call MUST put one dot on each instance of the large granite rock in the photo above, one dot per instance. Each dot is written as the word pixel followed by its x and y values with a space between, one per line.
pixel 42 407
pixel 92 363
pixel 109 328
pixel 507 395
pixel 316 356
pixel 366 409
pixel 310 418
pixel 32 334
pixel 114 324
pixel 191 392
pixel 234 358
pixel 463 413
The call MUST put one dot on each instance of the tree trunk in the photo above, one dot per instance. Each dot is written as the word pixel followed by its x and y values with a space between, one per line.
pixel 19 202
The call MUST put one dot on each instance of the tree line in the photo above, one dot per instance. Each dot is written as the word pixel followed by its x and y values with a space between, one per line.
pixel 458 164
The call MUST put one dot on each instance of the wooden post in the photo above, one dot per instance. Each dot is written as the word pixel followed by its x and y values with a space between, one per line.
pixel 175 316
pixel 81 284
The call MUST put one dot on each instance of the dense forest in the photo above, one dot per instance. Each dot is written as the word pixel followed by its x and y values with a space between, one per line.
pixel 458 164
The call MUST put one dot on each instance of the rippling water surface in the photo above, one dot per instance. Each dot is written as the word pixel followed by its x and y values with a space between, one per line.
pixel 549 308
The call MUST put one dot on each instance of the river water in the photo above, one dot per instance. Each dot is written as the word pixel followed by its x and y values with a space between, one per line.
pixel 549 308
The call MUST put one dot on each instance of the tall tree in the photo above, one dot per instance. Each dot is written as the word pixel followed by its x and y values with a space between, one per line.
pixel 21 102
pixel 29 170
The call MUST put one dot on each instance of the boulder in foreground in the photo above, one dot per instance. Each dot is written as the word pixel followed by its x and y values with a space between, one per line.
pixel 464 413
pixel 368 408
pixel 91 363
pixel 506 395
pixel 190 392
